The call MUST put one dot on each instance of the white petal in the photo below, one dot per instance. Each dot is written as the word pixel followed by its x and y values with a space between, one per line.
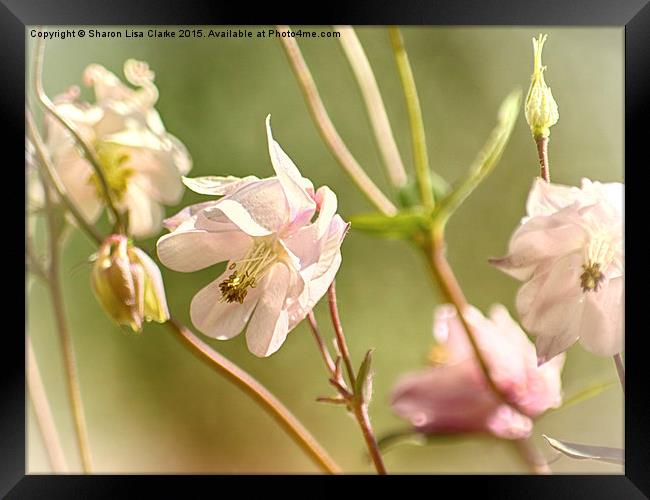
pixel 550 346
pixel 259 208
pixel 292 182
pixel 191 250
pixel 213 185
pixel 601 331
pixel 145 214
pixel 221 320
pixel 268 327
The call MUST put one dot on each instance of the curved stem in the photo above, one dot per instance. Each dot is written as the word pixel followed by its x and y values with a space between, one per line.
pixel 420 155
pixel 87 150
pixel 357 402
pixel 374 105
pixel 72 377
pixel 43 413
pixel 260 394
pixel 325 354
pixel 50 173
pixel 328 131
pixel 444 276
pixel 620 369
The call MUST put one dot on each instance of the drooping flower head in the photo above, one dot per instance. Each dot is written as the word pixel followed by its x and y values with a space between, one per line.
pixel 140 160
pixel 128 284
pixel 281 240
pixel 568 251
pixel 453 396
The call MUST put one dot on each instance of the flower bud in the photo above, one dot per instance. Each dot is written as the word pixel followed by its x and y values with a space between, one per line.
pixel 128 284
pixel 541 108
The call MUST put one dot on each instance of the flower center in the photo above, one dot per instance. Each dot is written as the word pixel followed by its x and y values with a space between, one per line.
pixel 600 253
pixel 112 158
pixel 248 271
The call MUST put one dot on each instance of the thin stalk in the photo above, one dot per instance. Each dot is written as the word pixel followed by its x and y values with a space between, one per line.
pixel 542 154
pixel 43 413
pixel 620 369
pixel 72 377
pixel 374 105
pixel 259 394
pixel 327 358
pixel 327 130
pixel 444 276
pixel 420 155
pixel 532 456
pixel 357 403
pixel 87 150
pixel 52 177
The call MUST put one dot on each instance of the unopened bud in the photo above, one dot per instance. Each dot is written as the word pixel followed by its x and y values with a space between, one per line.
pixel 541 108
pixel 128 284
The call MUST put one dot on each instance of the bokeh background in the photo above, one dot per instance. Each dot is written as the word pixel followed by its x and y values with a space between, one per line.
pixel 151 406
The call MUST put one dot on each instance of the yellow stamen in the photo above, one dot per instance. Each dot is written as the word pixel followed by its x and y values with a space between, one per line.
pixel 248 271
pixel 112 158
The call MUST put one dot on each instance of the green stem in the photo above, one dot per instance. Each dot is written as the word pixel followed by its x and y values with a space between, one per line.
pixel 327 130
pixel 374 105
pixel 420 155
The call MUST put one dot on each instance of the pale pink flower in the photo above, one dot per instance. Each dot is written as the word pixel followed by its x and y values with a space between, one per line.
pixel 141 161
pixel 280 262
pixel 568 251
pixel 453 396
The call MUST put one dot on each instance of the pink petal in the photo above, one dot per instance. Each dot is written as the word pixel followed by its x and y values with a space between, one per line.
pixel 221 320
pixel 268 327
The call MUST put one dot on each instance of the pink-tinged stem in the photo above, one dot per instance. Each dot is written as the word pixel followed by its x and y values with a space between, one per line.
pixel 259 394
pixel 534 459
pixel 325 354
pixel 359 406
pixel 70 364
pixel 43 413
pixel 542 153
pixel 328 131
pixel 444 276
pixel 620 369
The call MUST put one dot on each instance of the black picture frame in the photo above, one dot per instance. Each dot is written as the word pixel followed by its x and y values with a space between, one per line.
pixel 634 15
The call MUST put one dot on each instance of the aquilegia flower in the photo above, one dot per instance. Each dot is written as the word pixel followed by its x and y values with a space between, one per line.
pixel 568 251
pixel 128 284
pixel 453 396
pixel 280 262
pixel 142 163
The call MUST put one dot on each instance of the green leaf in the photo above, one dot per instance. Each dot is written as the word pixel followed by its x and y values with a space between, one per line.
pixel 402 225
pixel 587 452
pixel 486 159
pixel 409 196
pixel 586 393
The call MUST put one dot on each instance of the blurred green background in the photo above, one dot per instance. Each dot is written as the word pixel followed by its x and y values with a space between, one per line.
pixel 151 406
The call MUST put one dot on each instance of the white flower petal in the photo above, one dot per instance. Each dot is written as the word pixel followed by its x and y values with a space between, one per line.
pixel 268 327
pixel 221 320
pixel 601 331
pixel 293 184
pixel 191 250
